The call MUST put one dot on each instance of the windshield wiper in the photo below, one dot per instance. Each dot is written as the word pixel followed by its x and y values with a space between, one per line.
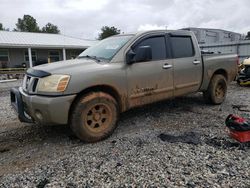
pixel 90 57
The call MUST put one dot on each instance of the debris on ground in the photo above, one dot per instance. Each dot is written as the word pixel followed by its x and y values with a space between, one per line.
pixel 240 107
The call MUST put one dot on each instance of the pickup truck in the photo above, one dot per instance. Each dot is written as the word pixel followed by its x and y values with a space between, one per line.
pixel 117 74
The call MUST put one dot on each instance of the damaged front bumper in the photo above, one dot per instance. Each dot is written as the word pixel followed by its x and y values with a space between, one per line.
pixel 18 105
pixel 41 109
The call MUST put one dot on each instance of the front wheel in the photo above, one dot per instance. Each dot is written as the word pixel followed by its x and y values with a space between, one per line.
pixel 217 90
pixel 94 117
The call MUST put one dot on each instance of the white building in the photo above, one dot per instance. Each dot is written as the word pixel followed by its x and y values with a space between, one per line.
pixel 19 48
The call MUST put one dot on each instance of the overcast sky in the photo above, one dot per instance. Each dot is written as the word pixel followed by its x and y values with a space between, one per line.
pixel 84 18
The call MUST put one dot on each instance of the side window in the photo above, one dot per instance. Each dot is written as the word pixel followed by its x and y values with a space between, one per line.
pixel 182 46
pixel 4 55
pixel 157 45
pixel 33 56
pixel 54 55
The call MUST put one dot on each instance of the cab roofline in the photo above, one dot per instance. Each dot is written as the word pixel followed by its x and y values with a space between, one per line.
pixel 176 32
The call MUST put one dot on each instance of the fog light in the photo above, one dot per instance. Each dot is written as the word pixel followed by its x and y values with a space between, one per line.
pixel 39 115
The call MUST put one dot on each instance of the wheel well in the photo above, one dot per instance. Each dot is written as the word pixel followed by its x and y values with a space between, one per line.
pixel 103 88
pixel 222 72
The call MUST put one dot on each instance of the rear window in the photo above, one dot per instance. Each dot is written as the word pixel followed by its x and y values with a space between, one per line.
pixel 182 46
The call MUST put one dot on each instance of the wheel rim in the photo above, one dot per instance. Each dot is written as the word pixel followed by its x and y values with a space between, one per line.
pixel 98 117
pixel 220 90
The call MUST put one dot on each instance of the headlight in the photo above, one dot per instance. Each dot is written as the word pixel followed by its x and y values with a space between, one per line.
pixel 53 83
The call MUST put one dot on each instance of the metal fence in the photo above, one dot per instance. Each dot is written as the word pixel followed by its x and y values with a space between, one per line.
pixel 10 73
pixel 12 70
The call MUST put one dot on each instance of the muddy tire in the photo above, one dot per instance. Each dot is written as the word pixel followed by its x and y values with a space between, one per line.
pixel 94 117
pixel 217 90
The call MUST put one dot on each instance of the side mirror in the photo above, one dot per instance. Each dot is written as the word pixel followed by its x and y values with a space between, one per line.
pixel 130 57
pixel 144 53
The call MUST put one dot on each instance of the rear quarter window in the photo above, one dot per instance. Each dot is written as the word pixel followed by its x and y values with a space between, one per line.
pixel 182 46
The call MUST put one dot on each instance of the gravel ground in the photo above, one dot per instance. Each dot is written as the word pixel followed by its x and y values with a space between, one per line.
pixel 175 143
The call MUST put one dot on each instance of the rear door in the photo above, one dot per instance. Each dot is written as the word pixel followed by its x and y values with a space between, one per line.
pixel 187 65
pixel 151 80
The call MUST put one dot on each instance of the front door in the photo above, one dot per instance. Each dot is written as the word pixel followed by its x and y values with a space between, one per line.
pixel 152 80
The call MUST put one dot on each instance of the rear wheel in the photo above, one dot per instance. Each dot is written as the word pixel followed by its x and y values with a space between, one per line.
pixel 94 117
pixel 217 90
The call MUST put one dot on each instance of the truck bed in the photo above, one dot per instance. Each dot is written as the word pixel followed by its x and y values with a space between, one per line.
pixel 225 63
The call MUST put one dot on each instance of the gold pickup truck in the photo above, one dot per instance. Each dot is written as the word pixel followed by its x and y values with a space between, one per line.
pixel 117 74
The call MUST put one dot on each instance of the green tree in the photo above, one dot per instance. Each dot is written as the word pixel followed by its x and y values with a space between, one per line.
pixel 2 28
pixel 108 31
pixel 248 36
pixel 50 28
pixel 27 23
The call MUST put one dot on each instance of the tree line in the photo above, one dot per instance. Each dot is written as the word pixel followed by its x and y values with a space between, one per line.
pixel 29 24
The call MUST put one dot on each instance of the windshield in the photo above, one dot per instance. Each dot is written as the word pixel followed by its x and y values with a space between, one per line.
pixel 106 48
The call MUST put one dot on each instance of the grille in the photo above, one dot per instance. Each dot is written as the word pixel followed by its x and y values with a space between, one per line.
pixel 30 84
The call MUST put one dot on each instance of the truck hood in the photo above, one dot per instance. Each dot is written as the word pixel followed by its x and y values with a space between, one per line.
pixel 70 66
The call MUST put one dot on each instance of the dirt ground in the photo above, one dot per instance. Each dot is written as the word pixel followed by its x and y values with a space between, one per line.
pixel 162 134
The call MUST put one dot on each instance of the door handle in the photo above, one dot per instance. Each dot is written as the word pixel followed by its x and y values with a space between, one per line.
pixel 167 66
pixel 196 62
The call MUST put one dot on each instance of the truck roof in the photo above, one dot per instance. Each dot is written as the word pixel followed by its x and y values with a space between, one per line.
pixel 177 32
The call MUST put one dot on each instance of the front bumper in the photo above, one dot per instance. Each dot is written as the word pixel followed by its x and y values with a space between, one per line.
pixel 41 109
